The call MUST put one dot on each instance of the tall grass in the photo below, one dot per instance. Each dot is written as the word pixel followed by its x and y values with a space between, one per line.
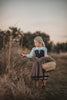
pixel 17 84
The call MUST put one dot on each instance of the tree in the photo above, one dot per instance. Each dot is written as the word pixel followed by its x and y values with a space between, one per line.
pixel 28 39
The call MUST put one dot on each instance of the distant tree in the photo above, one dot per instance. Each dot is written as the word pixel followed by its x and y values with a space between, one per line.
pixel 50 46
pixel 60 47
pixel 28 39
pixel 6 38
pixel 3 39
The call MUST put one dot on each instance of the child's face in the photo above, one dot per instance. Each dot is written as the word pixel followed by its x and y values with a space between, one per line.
pixel 37 44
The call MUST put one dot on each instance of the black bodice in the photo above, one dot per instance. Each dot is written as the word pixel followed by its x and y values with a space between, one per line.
pixel 39 53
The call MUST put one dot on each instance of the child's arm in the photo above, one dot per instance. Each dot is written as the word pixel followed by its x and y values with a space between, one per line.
pixel 29 55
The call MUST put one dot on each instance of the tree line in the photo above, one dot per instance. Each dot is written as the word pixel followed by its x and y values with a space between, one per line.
pixel 26 39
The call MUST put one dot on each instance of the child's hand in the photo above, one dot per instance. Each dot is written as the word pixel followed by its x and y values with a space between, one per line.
pixel 22 55
pixel 46 56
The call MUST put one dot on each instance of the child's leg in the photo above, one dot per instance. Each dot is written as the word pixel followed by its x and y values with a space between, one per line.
pixel 44 82
pixel 37 83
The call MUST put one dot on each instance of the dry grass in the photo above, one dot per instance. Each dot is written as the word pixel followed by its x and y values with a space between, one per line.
pixel 17 84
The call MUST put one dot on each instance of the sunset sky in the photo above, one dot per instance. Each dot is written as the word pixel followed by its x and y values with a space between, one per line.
pixel 49 16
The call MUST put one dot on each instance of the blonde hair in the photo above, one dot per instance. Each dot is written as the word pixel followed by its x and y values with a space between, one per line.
pixel 40 40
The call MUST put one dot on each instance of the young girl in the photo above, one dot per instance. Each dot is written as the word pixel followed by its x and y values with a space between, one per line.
pixel 40 51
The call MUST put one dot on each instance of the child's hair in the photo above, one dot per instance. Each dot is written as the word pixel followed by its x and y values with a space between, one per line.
pixel 40 40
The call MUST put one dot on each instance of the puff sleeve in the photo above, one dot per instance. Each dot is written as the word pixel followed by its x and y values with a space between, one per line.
pixel 45 51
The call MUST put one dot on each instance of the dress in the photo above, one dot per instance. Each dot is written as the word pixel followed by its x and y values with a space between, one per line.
pixel 37 72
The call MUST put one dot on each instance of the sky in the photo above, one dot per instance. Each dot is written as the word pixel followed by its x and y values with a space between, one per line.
pixel 49 16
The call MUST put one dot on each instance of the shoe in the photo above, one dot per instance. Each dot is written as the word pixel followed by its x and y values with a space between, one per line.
pixel 43 86
pixel 36 86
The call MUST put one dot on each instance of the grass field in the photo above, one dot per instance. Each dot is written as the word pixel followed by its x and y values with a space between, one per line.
pixel 17 84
